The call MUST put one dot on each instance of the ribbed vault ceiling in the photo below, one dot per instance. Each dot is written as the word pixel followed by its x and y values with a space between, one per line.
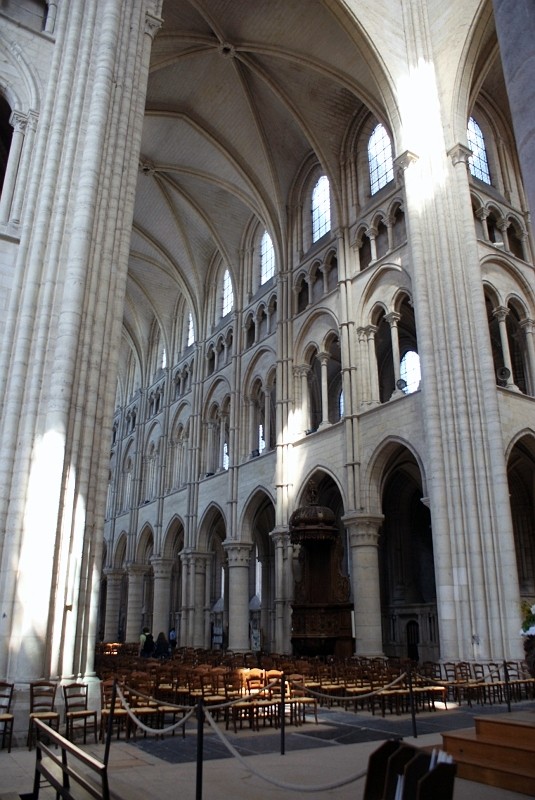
pixel 240 94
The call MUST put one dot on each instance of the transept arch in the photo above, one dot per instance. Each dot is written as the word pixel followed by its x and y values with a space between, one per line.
pixel 173 544
pixel 258 521
pixel 321 605
pixel 521 481
pixel 406 560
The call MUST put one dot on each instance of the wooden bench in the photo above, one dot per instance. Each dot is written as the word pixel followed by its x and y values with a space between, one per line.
pixel 73 773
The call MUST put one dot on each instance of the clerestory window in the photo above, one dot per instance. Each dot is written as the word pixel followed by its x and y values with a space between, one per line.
pixel 380 159
pixel 321 209
pixel 228 294
pixel 267 258
pixel 478 161
pixel 191 330
pixel 409 371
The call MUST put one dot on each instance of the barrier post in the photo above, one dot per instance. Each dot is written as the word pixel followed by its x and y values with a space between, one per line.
pixel 411 701
pixel 200 735
pixel 282 714
pixel 109 730
pixel 507 686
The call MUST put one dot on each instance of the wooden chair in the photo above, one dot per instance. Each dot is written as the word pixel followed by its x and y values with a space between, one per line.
pixel 120 714
pixel 234 689
pixel 77 714
pixel 42 706
pixel 142 702
pixel 300 698
pixel 496 684
pixel 6 718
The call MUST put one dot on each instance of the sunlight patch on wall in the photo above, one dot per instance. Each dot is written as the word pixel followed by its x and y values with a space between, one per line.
pixel 39 537
pixel 423 132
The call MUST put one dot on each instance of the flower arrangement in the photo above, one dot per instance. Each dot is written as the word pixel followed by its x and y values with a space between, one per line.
pixel 528 619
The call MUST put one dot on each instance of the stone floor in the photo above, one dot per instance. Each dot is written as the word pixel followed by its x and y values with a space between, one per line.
pixel 329 754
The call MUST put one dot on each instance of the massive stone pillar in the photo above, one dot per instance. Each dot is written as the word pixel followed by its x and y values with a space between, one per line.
pixel 466 475
pixel 283 581
pixel 363 532
pixel 238 554
pixel 199 566
pixel 59 351
pixel 161 597
pixel 515 26
pixel 114 578
pixel 134 614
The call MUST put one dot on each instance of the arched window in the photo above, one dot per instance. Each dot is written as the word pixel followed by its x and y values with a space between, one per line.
pixel 409 371
pixel 341 403
pixel 267 258
pixel 191 330
pixel 228 294
pixel 478 162
pixel 157 351
pixel 321 209
pixel 261 440
pixel 380 159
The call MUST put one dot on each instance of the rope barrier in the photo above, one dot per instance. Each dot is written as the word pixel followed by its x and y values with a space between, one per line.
pixel 293 787
pixel 349 698
pixel 147 728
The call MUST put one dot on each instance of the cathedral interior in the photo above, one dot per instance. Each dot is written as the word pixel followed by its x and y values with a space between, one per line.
pixel 268 358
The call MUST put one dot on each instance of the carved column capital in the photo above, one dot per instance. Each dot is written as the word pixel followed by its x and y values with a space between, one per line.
pixel 459 154
pixel 161 566
pixel 363 528
pixel 238 553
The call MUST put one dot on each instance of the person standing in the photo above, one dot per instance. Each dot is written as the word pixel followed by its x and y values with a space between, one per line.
pixel 146 643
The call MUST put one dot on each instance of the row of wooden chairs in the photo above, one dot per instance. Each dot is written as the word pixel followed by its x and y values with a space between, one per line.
pixel 43 707
pixel 77 713
pixel 6 717
pixel 483 683
pixel 234 695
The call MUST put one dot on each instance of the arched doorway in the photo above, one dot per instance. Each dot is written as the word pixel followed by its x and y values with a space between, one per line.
pixel 407 573
pixel 262 575
pixel 174 544
pixel 321 608
pixel 521 477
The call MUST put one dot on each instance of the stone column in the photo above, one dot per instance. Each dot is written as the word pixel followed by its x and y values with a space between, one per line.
pixel 393 320
pixel 199 563
pixel 186 618
pixel 51 16
pixel 211 446
pixel 324 359
pixel 24 167
pixel 267 418
pixel 114 579
pixel 161 594
pixel 363 532
pixel 527 327
pixel 136 573
pixel 501 315
pixel 375 397
pixel 19 122
pixel 371 233
pixel 280 539
pixel 238 554
pixel 305 398
pixel 55 430
pixel 222 436
pixel 253 429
